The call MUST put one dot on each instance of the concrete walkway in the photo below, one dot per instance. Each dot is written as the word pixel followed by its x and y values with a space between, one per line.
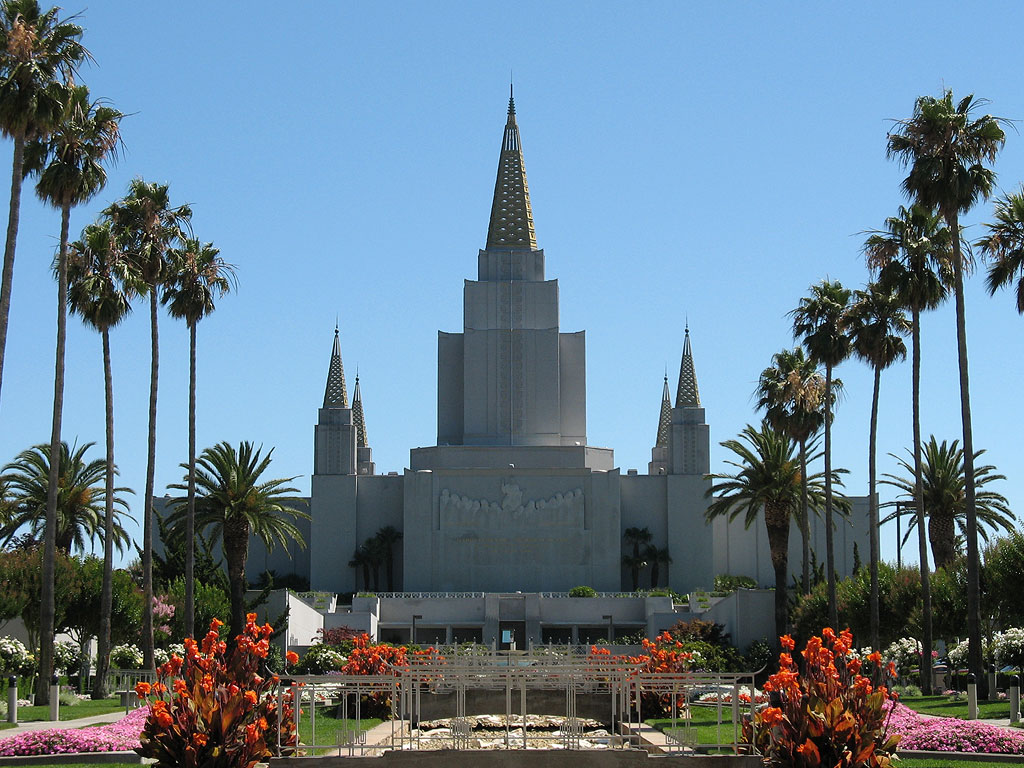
pixel 42 725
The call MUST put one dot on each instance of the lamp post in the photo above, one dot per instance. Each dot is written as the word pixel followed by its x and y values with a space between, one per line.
pixel 611 628
pixel 412 633
pixel 900 506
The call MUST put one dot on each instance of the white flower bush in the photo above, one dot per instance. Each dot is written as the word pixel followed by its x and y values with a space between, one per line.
pixel 1008 647
pixel 126 657
pixel 65 656
pixel 163 655
pixel 905 653
pixel 15 658
pixel 957 655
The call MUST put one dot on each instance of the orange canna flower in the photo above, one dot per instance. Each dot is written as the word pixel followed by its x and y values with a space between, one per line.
pixel 215 625
pixel 771 716
pixel 875 657
pixel 786 641
pixel 142 688
pixel 164 719
pixel 828 634
pixel 250 696
pixel 159 688
pixel 250 618
pixel 292 657
pixel 181 687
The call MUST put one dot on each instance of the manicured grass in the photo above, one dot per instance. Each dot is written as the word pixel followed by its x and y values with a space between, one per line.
pixel 703 724
pixel 5 725
pixel 328 726
pixel 81 709
pixel 941 706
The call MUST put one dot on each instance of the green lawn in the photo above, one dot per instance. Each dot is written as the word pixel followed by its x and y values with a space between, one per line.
pixel 943 707
pixel 328 726
pixel 703 725
pixel 81 709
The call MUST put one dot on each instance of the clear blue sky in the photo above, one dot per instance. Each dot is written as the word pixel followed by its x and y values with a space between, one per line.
pixel 700 160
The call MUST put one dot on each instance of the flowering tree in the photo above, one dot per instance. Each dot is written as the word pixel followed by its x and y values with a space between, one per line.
pixel 213 708
pixel 828 714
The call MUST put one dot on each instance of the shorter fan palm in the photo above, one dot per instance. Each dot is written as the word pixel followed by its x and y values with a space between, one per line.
pixel 81 498
pixel 945 501
pixel 768 479
pixel 233 503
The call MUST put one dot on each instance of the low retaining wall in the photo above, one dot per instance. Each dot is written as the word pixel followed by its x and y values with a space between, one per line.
pixel 595 706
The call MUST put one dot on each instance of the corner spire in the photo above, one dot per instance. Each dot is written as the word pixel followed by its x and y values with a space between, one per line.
pixel 665 420
pixel 687 395
pixel 336 395
pixel 357 416
pixel 511 224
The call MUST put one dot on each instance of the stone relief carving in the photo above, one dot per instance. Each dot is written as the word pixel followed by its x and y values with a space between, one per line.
pixel 562 510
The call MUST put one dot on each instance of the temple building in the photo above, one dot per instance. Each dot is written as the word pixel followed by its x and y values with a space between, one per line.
pixel 512 498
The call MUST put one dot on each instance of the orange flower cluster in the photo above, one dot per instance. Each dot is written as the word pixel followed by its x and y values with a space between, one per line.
pixel 824 712
pixel 218 708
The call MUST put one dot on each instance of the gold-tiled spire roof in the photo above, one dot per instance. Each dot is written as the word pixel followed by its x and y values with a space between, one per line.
pixel 687 395
pixel 665 420
pixel 336 396
pixel 511 223
pixel 357 416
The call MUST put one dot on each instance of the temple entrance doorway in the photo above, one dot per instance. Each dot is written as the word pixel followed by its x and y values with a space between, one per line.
pixel 511 635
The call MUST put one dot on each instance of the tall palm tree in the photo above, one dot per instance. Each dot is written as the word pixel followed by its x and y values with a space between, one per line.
pixel 875 324
pixel 944 497
pixel 946 148
pixel 69 164
pixel 911 256
pixel 376 555
pixel 233 503
pixel 768 478
pixel 817 322
pixel 80 503
pixel 389 536
pixel 1004 247
pixel 99 291
pixel 635 564
pixel 197 277
pixel 791 391
pixel 147 226
pixel 38 52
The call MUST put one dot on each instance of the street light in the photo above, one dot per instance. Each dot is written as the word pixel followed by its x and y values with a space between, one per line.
pixel 611 628
pixel 412 637
pixel 900 506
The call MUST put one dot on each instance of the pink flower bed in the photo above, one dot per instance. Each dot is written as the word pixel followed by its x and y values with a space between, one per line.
pixel 118 736
pixel 949 734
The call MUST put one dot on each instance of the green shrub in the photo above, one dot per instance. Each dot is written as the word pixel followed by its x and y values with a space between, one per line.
pixel 67 698
pixel 726 582
pixel 582 591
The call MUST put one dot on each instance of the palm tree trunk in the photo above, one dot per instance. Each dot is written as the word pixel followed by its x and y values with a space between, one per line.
pixel 9 247
pixel 190 515
pixel 922 540
pixel 974 654
pixel 777 524
pixel 830 554
pixel 873 510
pixel 805 523
pixel 147 511
pixel 654 572
pixel 99 688
pixel 47 614
pixel 236 552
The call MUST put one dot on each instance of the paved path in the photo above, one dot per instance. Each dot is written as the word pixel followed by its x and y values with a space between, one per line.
pixel 40 725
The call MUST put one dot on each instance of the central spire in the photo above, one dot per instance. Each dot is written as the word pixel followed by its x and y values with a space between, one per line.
pixel 687 395
pixel 511 224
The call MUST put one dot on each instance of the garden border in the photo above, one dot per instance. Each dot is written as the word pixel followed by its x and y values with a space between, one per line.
pixel 62 758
